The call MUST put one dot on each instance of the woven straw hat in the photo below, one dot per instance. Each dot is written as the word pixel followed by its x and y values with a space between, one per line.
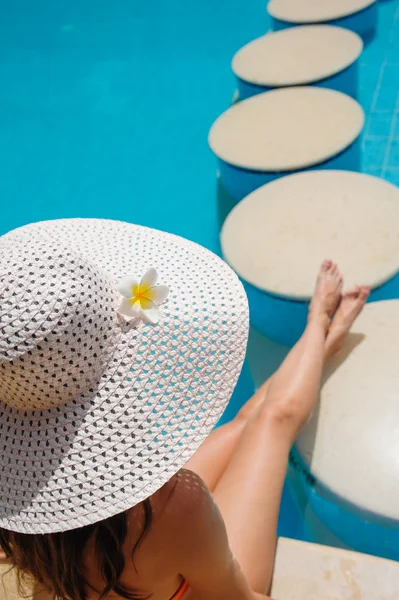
pixel 98 410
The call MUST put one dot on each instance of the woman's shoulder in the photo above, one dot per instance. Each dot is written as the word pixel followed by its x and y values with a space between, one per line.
pixel 175 503
pixel 188 539
pixel 177 510
pixel 181 510
pixel 184 493
pixel 190 514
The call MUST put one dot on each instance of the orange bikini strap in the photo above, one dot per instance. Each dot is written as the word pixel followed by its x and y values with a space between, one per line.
pixel 181 591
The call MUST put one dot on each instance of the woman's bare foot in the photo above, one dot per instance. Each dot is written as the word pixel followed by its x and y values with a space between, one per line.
pixel 351 306
pixel 327 293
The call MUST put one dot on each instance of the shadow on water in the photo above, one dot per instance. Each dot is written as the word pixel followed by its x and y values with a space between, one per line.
pixel 264 356
pixel 225 203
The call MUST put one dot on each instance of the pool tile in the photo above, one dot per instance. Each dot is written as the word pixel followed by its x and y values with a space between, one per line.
pixel 366 97
pixel 372 170
pixel 390 75
pixel 370 73
pixel 393 155
pixel 386 98
pixel 379 125
pixel 392 175
pixel 374 151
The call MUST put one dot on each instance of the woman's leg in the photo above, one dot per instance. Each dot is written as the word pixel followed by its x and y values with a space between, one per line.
pixel 249 491
pixel 211 459
pixel 215 453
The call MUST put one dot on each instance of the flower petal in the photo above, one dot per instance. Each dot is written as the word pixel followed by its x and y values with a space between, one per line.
pixel 158 293
pixel 150 311
pixel 148 280
pixel 136 308
pixel 129 308
pixel 127 285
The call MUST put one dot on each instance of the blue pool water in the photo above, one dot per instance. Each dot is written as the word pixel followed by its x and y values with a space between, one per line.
pixel 105 109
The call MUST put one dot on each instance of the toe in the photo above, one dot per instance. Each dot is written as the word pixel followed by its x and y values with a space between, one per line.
pixel 338 278
pixel 364 293
pixel 353 292
pixel 327 264
pixel 337 272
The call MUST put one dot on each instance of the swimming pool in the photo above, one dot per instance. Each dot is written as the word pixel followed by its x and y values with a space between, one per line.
pixel 106 108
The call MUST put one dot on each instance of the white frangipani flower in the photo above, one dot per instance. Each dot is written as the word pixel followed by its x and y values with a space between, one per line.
pixel 141 299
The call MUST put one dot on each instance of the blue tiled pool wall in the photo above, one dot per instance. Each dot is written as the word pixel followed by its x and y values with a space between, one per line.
pixel 379 96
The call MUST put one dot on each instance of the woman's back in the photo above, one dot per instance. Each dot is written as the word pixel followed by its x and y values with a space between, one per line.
pixel 150 569
pixel 187 539
pixel 186 528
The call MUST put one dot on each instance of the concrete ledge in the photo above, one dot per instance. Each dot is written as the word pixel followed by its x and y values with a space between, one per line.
pixel 306 571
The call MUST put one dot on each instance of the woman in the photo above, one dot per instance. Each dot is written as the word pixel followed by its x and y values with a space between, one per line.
pixel 106 396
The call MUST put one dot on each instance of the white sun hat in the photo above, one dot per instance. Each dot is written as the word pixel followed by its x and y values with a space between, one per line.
pixel 120 347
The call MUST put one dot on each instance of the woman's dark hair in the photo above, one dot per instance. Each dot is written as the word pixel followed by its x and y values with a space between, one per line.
pixel 56 559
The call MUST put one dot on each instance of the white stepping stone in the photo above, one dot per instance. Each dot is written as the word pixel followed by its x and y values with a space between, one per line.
pixel 282 131
pixel 351 445
pixel 277 237
pixel 358 15
pixel 315 54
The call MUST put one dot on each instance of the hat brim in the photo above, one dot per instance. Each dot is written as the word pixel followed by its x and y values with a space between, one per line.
pixel 159 397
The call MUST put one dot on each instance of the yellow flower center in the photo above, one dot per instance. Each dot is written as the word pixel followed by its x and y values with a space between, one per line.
pixel 141 294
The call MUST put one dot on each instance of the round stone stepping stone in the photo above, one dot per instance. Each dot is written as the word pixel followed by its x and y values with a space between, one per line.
pixel 350 446
pixel 316 54
pixel 285 130
pixel 359 16
pixel 277 237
